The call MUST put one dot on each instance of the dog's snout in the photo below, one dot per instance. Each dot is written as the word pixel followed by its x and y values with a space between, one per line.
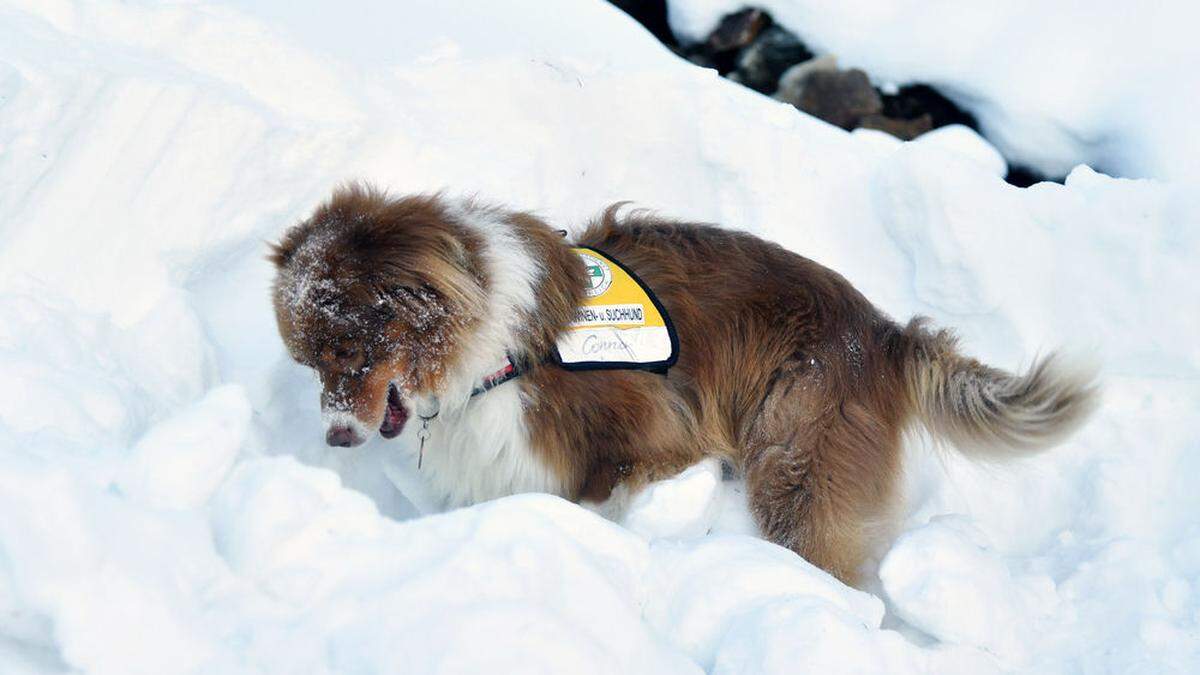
pixel 342 436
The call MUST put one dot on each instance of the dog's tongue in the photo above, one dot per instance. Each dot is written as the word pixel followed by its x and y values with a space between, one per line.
pixel 395 417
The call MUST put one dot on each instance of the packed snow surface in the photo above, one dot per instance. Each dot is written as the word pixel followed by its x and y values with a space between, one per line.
pixel 167 504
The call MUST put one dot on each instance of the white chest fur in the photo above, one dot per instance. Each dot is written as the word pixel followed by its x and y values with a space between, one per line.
pixel 483 452
pixel 480 450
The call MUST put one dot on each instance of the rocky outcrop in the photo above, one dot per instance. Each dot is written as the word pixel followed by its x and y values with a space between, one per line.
pixel 749 47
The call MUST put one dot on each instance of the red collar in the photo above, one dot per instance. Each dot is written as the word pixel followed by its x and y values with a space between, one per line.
pixel 506 372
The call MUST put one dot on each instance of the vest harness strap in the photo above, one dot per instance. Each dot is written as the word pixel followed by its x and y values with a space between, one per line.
pixel 508 371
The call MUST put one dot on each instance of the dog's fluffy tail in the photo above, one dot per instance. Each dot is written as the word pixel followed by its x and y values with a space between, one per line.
pixel 988 413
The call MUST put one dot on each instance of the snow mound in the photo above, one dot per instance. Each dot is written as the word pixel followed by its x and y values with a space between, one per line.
pixel 681 508
pixel 167 503
pixel 943 580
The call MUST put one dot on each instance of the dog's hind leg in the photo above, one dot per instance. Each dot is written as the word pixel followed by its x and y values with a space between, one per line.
pixel 821 475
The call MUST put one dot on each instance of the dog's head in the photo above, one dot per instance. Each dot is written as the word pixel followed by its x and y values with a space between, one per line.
pixel 375 293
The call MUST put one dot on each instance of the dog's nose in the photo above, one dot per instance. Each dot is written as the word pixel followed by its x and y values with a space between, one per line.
pixel 341 436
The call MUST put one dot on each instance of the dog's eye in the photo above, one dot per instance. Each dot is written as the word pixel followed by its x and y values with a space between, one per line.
pixel 343 358
pixel 349 358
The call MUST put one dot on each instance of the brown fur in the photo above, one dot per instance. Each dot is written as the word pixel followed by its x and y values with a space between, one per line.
pixel 784 369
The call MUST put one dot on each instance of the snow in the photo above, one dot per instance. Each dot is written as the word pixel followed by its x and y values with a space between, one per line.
pixel 167 503
pixel 1110 84
pixel 682 508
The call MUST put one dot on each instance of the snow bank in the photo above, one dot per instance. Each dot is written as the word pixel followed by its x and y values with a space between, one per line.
pixel 1110 84
pixel 167 503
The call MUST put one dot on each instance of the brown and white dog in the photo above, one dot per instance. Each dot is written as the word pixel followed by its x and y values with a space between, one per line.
pixel 785 371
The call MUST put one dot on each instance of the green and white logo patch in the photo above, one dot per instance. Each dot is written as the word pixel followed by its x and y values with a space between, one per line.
pixel 598 274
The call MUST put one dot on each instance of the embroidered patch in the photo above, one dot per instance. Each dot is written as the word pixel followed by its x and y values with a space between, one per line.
pixel 620 324
pixel 599 274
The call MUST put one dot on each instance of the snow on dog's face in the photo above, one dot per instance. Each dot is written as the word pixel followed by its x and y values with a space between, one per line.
pixel 375 294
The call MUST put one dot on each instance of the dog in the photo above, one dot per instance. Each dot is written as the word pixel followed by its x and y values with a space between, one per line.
pixel 405 305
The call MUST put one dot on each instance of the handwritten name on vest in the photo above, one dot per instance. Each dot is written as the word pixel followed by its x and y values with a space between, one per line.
pixel 594 345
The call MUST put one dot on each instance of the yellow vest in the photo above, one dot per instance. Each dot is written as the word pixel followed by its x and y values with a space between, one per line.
pixel 620 323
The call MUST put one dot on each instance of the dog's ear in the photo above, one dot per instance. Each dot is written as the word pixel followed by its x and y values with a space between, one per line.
pixel 279 253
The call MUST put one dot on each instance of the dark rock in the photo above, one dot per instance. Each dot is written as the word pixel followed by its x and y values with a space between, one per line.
pixel 904 129
pixel 701 55
pixel 760 64
pixel 914 100
pixel 737 30
pixel 841 97
pixel 791 83
pixel 703 59
pixel 652 14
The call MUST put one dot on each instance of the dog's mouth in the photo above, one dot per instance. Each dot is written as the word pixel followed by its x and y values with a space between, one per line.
pixel 396 415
